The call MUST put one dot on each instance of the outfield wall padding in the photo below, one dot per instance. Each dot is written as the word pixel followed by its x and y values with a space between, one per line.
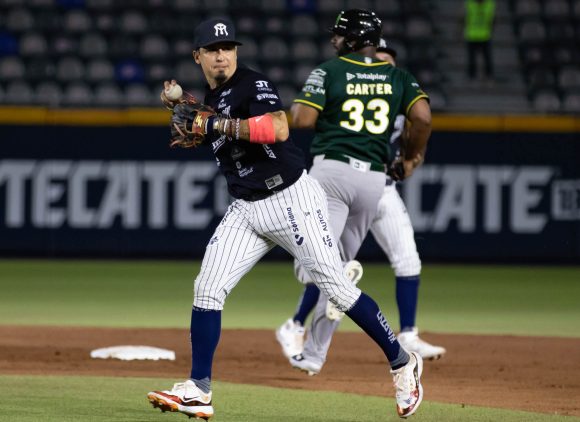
pixel 115 191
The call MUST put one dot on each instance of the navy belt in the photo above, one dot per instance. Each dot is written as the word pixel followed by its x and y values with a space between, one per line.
pixel 258 196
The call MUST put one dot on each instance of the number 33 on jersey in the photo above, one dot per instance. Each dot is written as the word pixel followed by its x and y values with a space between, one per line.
pixel 358 99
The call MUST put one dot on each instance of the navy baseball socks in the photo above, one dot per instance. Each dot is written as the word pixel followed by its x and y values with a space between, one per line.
pixel 307 302
pixel 407 293
pixel 205 330
pixel 406 368
pixel 193 396
pixel 367 315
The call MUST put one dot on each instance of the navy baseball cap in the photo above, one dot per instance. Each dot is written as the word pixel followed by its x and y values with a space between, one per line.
pixel 214 30
pixel 384 47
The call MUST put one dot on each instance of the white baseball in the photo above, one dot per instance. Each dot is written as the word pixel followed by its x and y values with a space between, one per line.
pixel 174 92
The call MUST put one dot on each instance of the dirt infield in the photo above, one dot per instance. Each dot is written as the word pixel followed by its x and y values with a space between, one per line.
pixel 526 373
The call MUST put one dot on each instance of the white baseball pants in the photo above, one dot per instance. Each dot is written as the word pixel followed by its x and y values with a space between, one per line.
pixel 393 231
pixel 296 219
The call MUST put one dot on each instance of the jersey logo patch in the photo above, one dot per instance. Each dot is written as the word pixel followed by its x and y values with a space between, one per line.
pixel 372 76
pixel 274 181
pixel 237 152
pixel 321 220
pixel 350 76
pixel 263 86
pixel 261 97
pixel 294 226
pixel 218 143
pixel 269 151
pixel 313 90
pixel 245 171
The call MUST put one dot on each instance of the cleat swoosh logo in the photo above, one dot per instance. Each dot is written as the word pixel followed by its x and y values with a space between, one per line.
pixel 196 399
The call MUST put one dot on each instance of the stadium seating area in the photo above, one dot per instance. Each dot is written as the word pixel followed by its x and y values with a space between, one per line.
pixel 71 53
pixel 535 53
pixel 548 41
pixel 107 53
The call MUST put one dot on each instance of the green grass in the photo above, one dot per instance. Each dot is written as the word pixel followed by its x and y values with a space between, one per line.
pixel 88 399
pixel 460 299
pixel 454 299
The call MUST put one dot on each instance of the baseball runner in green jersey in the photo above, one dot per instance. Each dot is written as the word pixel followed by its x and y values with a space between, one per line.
pixel 355 99
pixel 358 99
pixel 351 101
pixel 393 231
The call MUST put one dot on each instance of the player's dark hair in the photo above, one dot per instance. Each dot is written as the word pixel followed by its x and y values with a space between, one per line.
pixel 360 28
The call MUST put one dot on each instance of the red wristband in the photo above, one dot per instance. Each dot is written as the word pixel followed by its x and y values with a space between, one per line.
pixel 262 129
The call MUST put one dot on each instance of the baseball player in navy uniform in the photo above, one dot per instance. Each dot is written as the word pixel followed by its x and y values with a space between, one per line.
pixel 276 203
pixel 393 231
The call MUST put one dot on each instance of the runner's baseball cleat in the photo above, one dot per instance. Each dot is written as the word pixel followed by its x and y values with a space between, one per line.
pixel 354 272
pixel 411 342
pixel 290 335
pixel 305 365
pixel 185 398
pixel 407 382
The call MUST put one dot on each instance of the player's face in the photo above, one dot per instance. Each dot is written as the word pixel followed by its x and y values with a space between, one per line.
pixel 339 45
pixel 218 62
pixel 385 57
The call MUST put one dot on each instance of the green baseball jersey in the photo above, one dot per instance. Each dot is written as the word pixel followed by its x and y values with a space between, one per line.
pixel 358 99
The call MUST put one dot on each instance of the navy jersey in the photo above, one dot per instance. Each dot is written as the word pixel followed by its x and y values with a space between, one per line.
pixel 253 171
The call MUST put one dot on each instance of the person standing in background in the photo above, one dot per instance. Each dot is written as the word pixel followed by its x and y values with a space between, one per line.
pixel 478 25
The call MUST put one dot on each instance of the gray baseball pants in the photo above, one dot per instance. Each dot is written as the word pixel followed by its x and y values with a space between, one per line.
pixel 353 191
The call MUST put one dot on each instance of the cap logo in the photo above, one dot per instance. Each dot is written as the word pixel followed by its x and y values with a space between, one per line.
pixel 220 29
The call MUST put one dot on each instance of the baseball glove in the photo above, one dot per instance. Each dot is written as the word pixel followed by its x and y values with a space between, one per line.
pixel 396 169
pixel 189 124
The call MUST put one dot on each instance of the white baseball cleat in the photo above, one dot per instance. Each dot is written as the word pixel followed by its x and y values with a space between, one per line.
pixel 305 365
pixel 407 382
pixel 354 272
pixel 411 342
pixel 290 335
pixel 185 398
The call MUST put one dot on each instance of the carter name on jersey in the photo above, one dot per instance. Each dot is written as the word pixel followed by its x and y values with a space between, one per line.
pixel 369 89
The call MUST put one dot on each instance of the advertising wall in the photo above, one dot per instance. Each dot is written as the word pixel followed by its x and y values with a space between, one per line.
pixel 121 192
